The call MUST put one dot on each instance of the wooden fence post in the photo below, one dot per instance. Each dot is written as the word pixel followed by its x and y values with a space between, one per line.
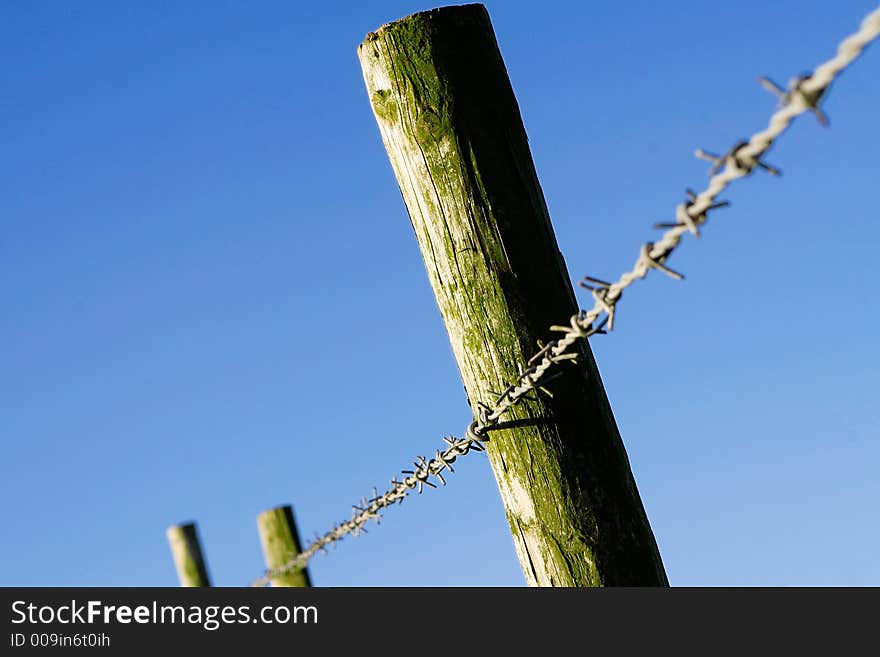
pixel 280 541
pixel 187 553
pixel 453 132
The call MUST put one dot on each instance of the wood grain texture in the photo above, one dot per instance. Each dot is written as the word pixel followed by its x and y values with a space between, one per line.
pixel 452 129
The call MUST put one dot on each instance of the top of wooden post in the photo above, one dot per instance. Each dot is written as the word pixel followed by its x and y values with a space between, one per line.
pixel 280 540
pixel 428 14
pixel 189 560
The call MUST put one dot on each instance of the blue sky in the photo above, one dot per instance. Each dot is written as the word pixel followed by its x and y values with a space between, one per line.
pixel 213 302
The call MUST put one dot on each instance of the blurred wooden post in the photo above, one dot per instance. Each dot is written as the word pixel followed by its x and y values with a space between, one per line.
pixel 453 132
pixel 280 541
pixel 187 553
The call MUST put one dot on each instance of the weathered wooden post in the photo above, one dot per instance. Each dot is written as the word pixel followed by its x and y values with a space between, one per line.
pixel 280 541
pixel 187 553
pixel 452 128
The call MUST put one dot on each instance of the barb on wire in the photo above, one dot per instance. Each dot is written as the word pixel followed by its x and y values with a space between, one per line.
pixel 368 508
pixel 736 159
pixel 795 88
pixel 804 94
pixel 684 216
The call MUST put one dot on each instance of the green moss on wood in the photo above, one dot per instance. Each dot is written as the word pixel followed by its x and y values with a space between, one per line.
pixel 187 553
pixel 280 541
pixel 452 128
pixel 384 105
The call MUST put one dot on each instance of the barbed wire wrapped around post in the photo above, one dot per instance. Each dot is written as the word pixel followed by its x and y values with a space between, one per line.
pixel 803 94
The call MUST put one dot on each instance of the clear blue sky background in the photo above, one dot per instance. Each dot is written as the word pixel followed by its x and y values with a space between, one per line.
pixel 212 302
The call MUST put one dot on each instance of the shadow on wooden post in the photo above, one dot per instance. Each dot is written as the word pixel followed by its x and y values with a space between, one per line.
pixel 453 132
pixel 280 541
pixel 188 557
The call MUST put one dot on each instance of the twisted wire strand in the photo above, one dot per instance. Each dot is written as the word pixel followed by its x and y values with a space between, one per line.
pixel 803 94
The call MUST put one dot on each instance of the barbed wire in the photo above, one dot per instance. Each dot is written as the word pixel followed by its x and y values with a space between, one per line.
pixel 803 94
